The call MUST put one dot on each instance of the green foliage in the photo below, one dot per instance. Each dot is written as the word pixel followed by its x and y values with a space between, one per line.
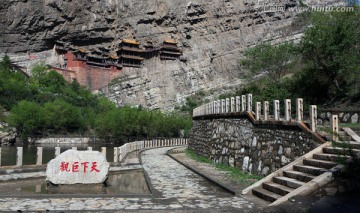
pixel 46 104
pixel 62 116
pixel 27 117
pixel 266 90
pixel 329 71
pixel 193 101
pixel 38 70
pixel 275 60
pixel 235 173
pixel 350 125
pixel 330 51
pixel 124 123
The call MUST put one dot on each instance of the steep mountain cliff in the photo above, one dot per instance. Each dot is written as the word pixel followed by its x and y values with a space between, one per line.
pixel 212 34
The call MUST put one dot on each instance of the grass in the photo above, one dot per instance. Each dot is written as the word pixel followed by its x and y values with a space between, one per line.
pixel 235 173
pixel 349 125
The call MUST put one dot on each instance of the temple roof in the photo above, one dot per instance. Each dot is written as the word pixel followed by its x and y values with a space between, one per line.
pixel 170 41
pixel 172 53
pixel 129 41
pixel 113 56
pixel 132 49
pixel 82 50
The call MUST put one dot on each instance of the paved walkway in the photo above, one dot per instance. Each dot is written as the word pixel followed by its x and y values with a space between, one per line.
pixel 176 187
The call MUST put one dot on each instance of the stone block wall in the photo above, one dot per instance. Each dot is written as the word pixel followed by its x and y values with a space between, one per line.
pixel 254 148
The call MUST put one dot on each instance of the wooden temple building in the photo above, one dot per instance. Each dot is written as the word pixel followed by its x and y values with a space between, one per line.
pixel 170 51
pixel 130 54
pixel 95 68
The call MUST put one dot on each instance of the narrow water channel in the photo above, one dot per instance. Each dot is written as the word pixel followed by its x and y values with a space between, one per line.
pixel 8 152
pixel 120 183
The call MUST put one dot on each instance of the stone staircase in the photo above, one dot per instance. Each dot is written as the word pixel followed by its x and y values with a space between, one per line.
pixel 305 174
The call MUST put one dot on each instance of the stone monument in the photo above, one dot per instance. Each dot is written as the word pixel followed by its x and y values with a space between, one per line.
pixel 77 167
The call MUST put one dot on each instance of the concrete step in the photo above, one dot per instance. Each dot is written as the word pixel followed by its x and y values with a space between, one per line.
pixel 345 138
pixel 277 188
pixel 350 144
pixel 331 157
pixel 265 194
pixel 319 163
pixel 338 150
pixel 301 176
pixel 342 133
pixel 309 169
pixel 286 181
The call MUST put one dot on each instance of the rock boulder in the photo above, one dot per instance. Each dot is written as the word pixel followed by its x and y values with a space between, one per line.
pixel 78 167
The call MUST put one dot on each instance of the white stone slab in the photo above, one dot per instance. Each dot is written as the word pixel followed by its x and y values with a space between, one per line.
pixel 78 167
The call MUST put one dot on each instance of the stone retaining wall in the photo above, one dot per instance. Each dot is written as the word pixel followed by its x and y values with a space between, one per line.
pixel 257 149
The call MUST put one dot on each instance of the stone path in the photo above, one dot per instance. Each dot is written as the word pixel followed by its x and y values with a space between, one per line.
pixel 177 188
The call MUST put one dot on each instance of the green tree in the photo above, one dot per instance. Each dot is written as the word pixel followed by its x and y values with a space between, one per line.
pixel 53 82
pixel 38 71
pixel 275 60
pixel 13 85
pixel 27 117
pixel 331 52
pixel 62 116
pixel 5 65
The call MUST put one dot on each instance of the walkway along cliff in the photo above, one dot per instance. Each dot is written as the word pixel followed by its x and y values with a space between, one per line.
pixel 289 150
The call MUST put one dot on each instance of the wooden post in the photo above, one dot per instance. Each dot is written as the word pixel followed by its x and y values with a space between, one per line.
pixel 313 117
pixel 257 110
pixel 19 156
pixel 249 102
pixel 299 109
pixel 266 110
pixel 116 154
pixel 243 103
pixel 39 156
pixel 238 103
pixel 218 106
pixel 232 104
pixel 90 148
pixel 287 109
pixel 103 151
pixel 335 127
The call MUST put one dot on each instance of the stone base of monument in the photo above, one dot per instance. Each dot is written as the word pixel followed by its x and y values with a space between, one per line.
pixel 99 188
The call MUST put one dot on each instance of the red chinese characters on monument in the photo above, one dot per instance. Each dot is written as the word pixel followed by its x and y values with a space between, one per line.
pixel 79 167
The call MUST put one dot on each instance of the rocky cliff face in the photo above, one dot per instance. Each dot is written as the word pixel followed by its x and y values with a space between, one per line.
pixel 212 33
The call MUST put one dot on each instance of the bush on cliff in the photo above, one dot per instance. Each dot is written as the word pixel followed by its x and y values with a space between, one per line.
pixel 329 71
pixel 46 104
